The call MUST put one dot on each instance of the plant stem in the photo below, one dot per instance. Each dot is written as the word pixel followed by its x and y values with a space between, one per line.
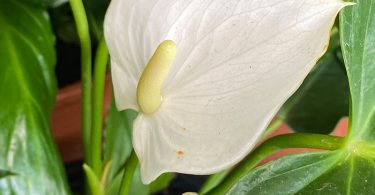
pixel 129 169
pixel 80 18
pixel 294 140
pixel 101 60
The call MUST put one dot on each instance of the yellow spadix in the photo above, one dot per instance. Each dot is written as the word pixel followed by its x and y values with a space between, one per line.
pixel 149 96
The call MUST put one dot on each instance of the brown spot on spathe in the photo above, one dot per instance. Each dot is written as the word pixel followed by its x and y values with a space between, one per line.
pixel 180 153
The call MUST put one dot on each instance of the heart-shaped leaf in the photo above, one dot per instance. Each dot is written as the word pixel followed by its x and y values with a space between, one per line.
pixel 27 94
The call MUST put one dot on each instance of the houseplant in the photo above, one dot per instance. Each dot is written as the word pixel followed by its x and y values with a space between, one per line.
pixel 28 90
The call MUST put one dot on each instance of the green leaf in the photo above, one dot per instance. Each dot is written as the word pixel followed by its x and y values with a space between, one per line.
pixel 358 43
pixel 27 95
pixel 323 98
pixel 213 181
pixel 337 172
pixel 161 182
pixel 93 181
pixel 137 187
pixel 118 144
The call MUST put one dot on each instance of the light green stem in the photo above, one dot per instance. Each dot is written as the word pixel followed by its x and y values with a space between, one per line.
pixel 130 166
pixel 101 61
pixel 294 140
pixel 80 18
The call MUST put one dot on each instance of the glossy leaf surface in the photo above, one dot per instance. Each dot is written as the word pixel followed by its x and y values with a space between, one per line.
pixel 315 173
pixel 27 94
pixel 358 43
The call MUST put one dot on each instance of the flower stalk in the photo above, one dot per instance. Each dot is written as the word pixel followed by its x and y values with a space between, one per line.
pixel 80 18
pixel 101 61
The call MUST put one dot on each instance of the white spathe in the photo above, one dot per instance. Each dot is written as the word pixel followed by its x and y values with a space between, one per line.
pixel 237 62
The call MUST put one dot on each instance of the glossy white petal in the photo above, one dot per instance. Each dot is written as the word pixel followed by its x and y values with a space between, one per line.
pixel 237 62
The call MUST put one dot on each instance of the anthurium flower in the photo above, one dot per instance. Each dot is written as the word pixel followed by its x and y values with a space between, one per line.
pixel 207 76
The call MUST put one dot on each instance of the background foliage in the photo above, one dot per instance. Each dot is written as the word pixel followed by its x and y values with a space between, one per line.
pixel 28 89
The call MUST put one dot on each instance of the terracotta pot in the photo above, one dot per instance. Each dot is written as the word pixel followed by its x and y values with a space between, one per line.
pixel 66 120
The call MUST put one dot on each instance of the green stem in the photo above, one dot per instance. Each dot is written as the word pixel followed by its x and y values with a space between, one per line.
pixel 80 18
pixel 294 140
pixel 129 169
pixel 101 61
pixel 215 179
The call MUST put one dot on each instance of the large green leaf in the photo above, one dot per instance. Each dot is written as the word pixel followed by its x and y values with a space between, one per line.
pixel 358 42
pixel 336 172
pixel 323 98
pixel 27 93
